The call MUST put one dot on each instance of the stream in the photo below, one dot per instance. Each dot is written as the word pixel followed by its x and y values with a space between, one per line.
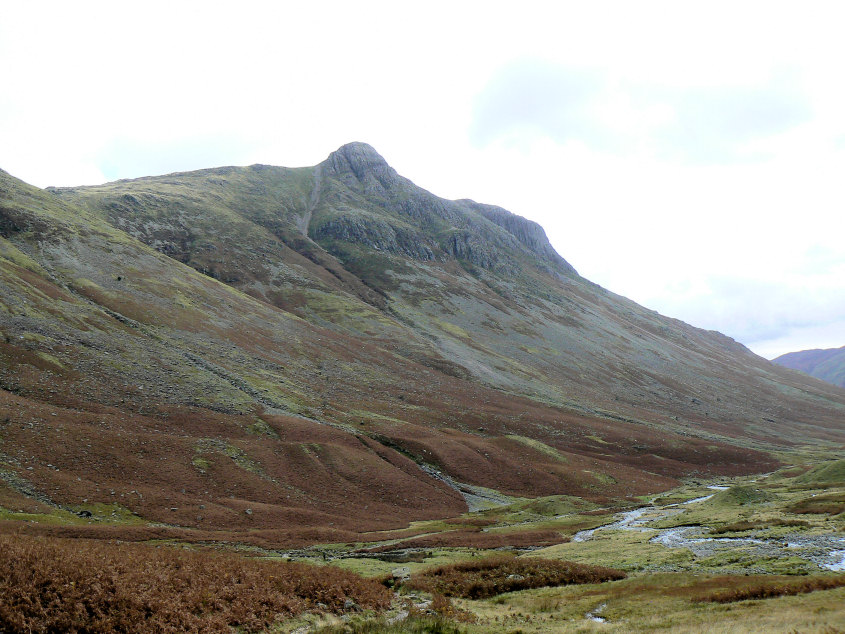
pixel 826 551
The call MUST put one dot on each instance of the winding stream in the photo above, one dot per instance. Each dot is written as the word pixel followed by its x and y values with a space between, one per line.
pixel 826 551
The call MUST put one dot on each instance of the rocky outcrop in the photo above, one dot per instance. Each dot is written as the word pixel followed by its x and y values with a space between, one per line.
pixel 8 223
pixel 359 163
pixel 375 233
pixel 463 245
pixel 137 215
pixel 427 209
pixel 530 234
pixel 483 235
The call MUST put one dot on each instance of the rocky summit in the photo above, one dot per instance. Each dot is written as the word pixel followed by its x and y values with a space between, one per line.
pixel 288 356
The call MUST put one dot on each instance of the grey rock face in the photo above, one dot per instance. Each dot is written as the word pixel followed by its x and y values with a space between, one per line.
pixel 360 162
pixel 527 232
pixel 484 235
pixel 376 233
pixel 464 245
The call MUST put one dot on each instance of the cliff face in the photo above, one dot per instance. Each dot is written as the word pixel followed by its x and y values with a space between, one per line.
pixel 527 232
pixel 404 219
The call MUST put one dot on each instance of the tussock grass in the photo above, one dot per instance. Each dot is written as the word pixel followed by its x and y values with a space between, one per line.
pixel 599 512
pixel 827 473
pixel 479 522
pixel 478 539
pixel 740 495
pixel 766 589
pixel 57 585
pixel 831 504
pixel 411 625
pixel 747 525
pixel 482 578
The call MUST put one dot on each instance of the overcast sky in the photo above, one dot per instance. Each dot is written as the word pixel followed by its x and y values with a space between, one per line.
pixel 688 155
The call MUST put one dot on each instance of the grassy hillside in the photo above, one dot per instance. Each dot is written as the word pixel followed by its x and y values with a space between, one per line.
pixel 330 364
pixel 138 390
pixel 467 289
pixel 231 354
pixel 827 365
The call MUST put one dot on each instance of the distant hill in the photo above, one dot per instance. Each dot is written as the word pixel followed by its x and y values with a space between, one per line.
pixel 828 365
pixel 310 353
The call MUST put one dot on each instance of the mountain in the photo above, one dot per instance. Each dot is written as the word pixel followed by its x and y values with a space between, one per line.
pixel 827 365
pixel 300 355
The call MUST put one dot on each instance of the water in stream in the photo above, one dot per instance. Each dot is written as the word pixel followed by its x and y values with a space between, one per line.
pixel 826 551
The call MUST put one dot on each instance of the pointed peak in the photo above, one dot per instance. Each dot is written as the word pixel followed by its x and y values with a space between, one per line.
pixel 362 161
pixel 359 148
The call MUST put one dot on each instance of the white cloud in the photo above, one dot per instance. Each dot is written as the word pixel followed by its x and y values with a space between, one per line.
pixel 534 98
pixel 715 125
pixel 700 124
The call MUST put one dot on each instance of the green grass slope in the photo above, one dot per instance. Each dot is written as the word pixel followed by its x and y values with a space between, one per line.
pixel 293 356
pixel 829 473
pixel 827 365
pixel 468 289
pixel 167 404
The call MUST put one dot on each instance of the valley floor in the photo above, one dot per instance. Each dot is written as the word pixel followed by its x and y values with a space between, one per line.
pixel 754 554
